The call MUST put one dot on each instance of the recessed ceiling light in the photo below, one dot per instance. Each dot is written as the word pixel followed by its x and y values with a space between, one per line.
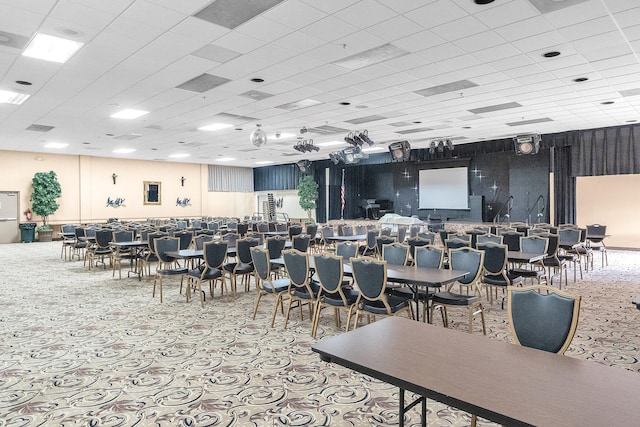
pixel 551 54
pixel 607 102
pixel 86 143
pixel 631 121
pixel 257 80
pixel 225 159
pixel 466 127
pixel 580 79
pixel 215 126
pixel 23 82
pixel 181 142
pixel 129 114
pixel 51 48
pixel 154 149
pixel 345 103
pixel 55 145
pixel 417 122
pixel 109 134
pixel 123 150
pixel 179 155
pixel 8 97
pixel 481 2
pixel 238 129
pixel 264 162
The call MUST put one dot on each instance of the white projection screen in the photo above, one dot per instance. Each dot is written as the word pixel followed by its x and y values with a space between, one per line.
pixel 446 188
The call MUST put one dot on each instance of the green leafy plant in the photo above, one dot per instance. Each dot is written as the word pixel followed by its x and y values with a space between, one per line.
pixel 46 189
pixel 307 194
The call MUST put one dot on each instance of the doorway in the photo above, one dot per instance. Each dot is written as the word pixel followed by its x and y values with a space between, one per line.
pixel 9 217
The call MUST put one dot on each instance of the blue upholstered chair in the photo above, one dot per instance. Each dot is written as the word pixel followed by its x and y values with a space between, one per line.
pixel 266 285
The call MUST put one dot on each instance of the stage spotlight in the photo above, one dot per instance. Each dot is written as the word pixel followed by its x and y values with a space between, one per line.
pixel 351 140
pixel 400 151
pixel 449 145
pixel 364 136
pixel 440 146
pixel 304 166
pixel 336 157
pixel 432 147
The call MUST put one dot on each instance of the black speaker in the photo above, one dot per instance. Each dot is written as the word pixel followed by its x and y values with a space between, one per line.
pixel 527 144
pixel 400 151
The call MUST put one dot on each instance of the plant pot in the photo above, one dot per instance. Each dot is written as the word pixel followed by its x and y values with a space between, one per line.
pixel 45 235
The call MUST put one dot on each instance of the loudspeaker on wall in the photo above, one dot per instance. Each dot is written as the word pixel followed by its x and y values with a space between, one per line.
pixel 527 144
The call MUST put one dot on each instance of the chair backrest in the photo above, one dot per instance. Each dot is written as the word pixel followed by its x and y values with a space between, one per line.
pixel 181 225
pixel 467 259
pixel 196 223
pixel 123 236
pixel 370 276
pixel 80 232
pixel 231 239
pixel 457 243
pixel 347 230
pixel 294 230
pixel 414 230
pixel 444 235
pixel 553 245
pixel 495 257
pixel 275 245
pixel 200 240
pixel 596 230
pixel 428 236
pixel 232 225
pixel 261 263
pixel 297 265
pixel 263 227
pixel 488 238
pixel 213 226
pixel 347 250
pixel 544 320
pixel 281 226
pixel 383 240
pixel 385 231
pixel 534 244
pixel 243 249
pixel 166 244
pixel 104 237
pixel 68 228
pixel 258 236
pixel 402 233
pixel 301 242
pixel 512 240
pixel 312 230
pixel 330 271
pixel 569 235
pixel 215 253
pixel 538 232
pixel 415 242
pixel 90 232
pixel 395 253
pixel 429 257
pixel 360 230
pixel 185 238
pixel 151 238
pixel 242 228
pixel 371 239
pixel 327 231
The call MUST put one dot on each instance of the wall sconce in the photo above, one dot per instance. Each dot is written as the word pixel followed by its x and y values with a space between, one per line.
pixel 182 180
pixel 114 176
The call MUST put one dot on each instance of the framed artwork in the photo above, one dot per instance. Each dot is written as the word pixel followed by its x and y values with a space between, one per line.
pixel 152 193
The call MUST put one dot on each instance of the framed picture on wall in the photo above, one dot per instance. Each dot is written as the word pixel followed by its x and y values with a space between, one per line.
pixel 152 193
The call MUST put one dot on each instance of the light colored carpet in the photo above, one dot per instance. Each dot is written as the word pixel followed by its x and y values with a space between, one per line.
pixel 78 347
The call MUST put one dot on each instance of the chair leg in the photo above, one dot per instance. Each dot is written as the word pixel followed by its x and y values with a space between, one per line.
pixel 255 310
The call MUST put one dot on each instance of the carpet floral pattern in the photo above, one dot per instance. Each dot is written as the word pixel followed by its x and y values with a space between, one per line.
pixel 82 348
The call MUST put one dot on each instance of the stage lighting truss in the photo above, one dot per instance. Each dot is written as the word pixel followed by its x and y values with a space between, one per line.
pixel 357 138
pixel 306 146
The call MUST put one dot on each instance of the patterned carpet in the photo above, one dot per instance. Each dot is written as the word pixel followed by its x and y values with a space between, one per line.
pixel 80 348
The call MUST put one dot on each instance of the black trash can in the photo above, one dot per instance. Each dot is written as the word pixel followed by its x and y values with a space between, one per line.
pixel 28 232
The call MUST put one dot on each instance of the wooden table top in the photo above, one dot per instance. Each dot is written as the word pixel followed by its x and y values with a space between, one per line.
pixel 502 382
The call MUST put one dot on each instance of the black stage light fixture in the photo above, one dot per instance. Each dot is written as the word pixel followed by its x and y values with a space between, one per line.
pixel 304 166
pixel 448 144
pixel 336 157
pixel 353 155
pixel 527 144
pixel 440 146
pixel 351 140
pixel 400 151
pixel 364 138
pixel 432 147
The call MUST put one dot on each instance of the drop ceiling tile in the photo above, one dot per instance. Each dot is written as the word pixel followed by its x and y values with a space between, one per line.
pixel 395 28
pixel 576 14
pixel 265 29
pixel 365 13
pixel 237 41
pixel 460 28
pixel 329 28
pixel 548 40
pixel 437 13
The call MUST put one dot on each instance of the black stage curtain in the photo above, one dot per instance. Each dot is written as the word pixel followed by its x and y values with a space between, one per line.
pixel 607 151
pixel 564 186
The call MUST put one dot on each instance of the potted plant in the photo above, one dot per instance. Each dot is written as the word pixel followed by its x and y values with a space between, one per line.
pixel 46 189
pixel 308 194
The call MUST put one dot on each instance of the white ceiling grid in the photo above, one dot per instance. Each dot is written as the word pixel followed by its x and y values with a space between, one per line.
pixel 137 52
